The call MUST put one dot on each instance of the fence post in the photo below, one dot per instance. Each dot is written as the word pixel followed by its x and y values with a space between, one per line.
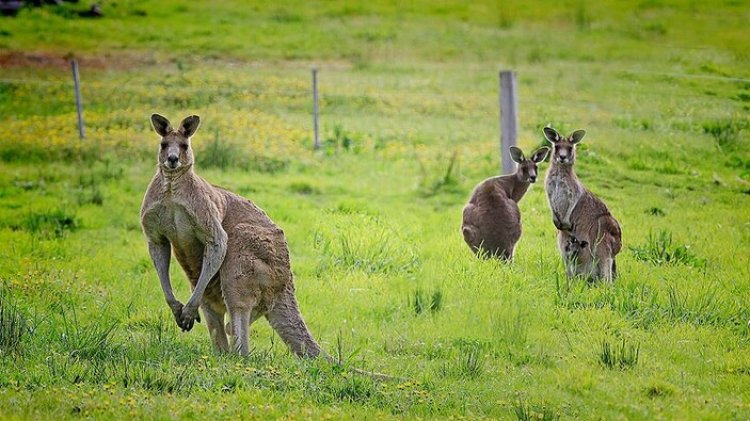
pixel 508 118
pixel 79 104
pixel 316 130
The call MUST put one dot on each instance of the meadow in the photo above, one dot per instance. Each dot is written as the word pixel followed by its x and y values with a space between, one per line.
pixel 409 119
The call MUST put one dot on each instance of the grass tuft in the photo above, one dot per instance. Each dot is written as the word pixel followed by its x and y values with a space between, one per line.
pixel 660 250
pixel 659 390
pixel 90 341
pixel 655 211
pixel 467 363
pixel 430 185
pixel 525 411
pixel 364 243
pixel 420 301
pixel 726 132
pixel 13 324
pixel 50 224
pixel 218 154
pixel 341 140
pixel 622 357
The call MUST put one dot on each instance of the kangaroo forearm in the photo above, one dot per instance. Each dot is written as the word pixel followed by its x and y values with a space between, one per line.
pixel 212 260
pixel 566 219
pixel 160 255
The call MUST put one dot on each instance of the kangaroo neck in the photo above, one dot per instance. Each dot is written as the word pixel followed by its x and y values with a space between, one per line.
pixel 564 170
pixel 563 178
pixel 518 189
pixel 172 181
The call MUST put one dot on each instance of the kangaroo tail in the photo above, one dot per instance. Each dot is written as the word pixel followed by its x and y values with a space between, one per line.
pixel 286 319
pixel 371 374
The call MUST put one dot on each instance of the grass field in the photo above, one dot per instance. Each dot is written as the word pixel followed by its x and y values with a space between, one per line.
pixel 409 121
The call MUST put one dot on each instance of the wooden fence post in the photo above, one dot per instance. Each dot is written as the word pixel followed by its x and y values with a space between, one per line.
pixel 508 119
pixel 79 104
pixel 316 130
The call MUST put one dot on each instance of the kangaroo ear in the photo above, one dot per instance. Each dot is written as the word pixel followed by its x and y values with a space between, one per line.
pixel 189 125
pixel 516 154
pixel 540 154
pixel 577 136
pixel 552 135
pixel 161 125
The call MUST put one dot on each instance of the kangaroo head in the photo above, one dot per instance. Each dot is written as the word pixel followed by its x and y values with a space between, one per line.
pixel 564 148
pixel 175 151
pixel 574 246
pixel 526 171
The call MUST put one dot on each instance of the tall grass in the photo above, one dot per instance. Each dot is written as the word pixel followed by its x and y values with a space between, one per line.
pixel 364 243
pixel 14 325
pixel 421 301
pixel 727 132
pixel 526 411
pixel 91 340
pixel 623 356
pixel 660 249
pixel 55 223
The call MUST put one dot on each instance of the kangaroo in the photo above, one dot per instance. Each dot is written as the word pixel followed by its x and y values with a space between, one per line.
pixel 235 257
pixel 576 255
pixel 577 212
pixel 491 220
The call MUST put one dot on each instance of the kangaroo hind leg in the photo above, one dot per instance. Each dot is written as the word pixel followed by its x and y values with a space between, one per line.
pixel 215 324
pixel 604 265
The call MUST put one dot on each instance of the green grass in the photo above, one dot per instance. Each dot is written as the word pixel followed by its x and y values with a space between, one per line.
pixel 384 280
pixel 659 250
pixel 623 356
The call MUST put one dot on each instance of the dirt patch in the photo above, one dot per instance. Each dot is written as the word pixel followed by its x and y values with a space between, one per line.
pixel 40 59
pixel 130 60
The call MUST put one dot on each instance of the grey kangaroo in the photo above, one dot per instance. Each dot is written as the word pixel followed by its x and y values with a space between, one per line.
pixel 235 257
pixel 491 220
pixel 577 212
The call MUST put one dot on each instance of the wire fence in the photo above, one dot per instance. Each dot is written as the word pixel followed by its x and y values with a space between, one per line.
pixel 326 96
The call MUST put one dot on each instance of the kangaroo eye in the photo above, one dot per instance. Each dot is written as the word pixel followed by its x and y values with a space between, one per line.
pixel 164 145
pixel 183 146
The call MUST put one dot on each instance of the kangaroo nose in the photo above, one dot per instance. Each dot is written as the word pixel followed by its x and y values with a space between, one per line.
pixel 532 178
pixel 173 159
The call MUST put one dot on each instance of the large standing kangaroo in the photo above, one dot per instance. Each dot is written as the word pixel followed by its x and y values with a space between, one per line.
pixel 578 214
pixel 235 257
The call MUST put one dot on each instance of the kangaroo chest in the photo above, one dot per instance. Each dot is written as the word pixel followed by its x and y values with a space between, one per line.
pixel 563 193
pixel 178 225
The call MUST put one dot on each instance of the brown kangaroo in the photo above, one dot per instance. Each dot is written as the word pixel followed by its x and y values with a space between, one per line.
pixel 491 220
pixel 235 257
pixel 577 212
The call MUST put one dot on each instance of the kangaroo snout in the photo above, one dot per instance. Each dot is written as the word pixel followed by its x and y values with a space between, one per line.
pixel 172 161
